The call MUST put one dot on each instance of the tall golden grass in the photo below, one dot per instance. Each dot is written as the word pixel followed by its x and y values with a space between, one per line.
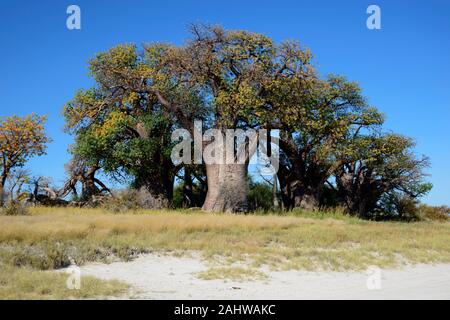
pixel 47 237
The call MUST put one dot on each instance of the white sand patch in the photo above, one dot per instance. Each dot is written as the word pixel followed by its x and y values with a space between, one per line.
pixel 165 277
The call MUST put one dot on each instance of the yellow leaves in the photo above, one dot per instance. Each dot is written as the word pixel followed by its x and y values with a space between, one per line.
pixel 21 138
pixel 131 99
pixel 109 126
pixel 121 56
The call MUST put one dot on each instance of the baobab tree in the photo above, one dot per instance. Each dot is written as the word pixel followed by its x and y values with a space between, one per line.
pixel 377 165
pixel 319 117
pixel 234 71
pixel 234 80
pixel 124 123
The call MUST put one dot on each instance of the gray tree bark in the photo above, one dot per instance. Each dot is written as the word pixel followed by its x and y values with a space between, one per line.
pixel 227 188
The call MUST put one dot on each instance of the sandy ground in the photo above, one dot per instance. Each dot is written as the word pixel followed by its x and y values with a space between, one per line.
pixel 165 277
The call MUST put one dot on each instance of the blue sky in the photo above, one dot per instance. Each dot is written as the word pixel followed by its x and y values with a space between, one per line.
pixel 403 68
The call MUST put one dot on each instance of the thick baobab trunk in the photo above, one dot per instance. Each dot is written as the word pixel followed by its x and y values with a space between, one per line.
pixel 149 198
pixel 227 188
pixel 89 189
pixel 360 196
pixel 307 198
pixel 360 205
pixel 296 195
pixel 155 194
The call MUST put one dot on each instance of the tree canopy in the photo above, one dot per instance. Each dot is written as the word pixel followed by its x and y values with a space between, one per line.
pixel 20 139
pixel 330 137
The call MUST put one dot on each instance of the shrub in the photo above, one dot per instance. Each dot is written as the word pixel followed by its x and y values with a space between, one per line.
pixel 132 200
pixel 441 213
pixel 397 206
pixel 260 196
pixel 125 200
pixel 407 209
pixel 197 200
pixel 14 208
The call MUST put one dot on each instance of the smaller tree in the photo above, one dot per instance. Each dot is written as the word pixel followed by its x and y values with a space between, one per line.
pixel 17 179
pixel 81 171
pixel 378 165
pixel 20 139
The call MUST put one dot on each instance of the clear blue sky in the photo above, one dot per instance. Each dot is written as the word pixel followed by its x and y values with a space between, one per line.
pixel 403 68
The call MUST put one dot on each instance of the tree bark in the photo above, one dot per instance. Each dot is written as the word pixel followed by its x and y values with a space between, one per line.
pixel 360 196
pixel 155 194
pixel 307 198
pixel 2 196
pixel 276 204
pixel 2 188
pixel 227 188
pixel 187 189
pixel 295 194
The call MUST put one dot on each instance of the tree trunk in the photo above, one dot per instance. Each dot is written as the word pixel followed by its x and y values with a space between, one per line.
pixel 89 189
pixel 187 189
pixel 149 198
pixel 309 201
pixel 285 190
pixel 276 204
pixel 360 196
pixel 2 187
pixel 2 196
pixel 155 194
pixel 307 198
pixel 227 188
pixel 295 195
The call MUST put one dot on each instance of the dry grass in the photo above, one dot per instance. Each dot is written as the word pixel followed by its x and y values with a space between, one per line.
pixel 21 284
pixel 48 238
pixel 232 273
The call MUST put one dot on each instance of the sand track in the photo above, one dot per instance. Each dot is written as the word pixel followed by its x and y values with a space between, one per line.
pixel 165 277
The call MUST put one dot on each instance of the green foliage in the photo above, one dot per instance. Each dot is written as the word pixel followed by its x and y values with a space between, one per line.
pixel 20 139
pixel 260 196
pixel 236 78
pixel 198 196
pixel 379 167
pixel 397 206
pixel 177 200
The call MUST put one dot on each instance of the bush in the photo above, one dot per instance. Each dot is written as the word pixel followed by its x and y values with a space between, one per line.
pixel 260 196
pixel 441 213
pixel 14 208
pixel 407 209
pixel 397 206
pixel 132 200
pixel 198 196
pixel 122 201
